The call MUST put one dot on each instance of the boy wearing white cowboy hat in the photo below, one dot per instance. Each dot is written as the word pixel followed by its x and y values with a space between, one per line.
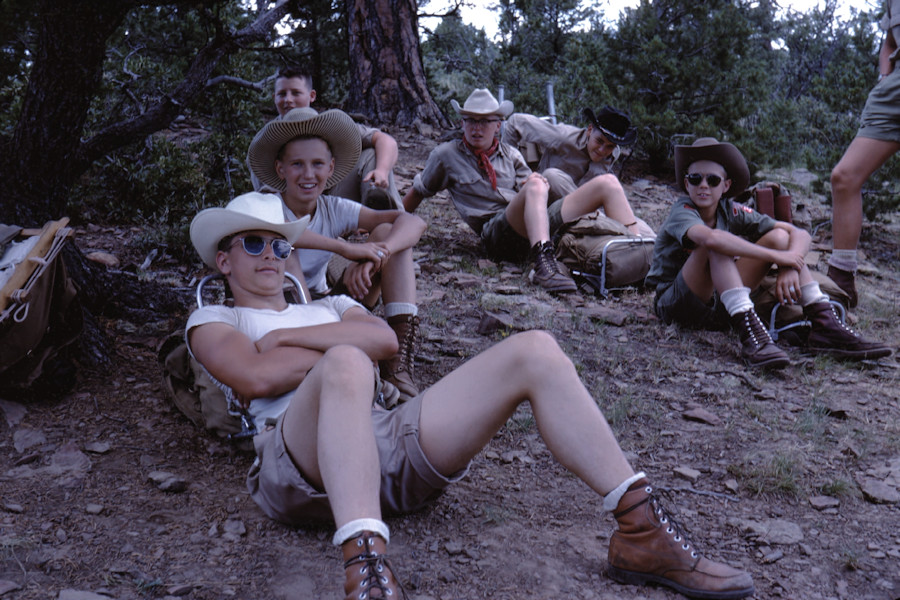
pixel 333 453
pixel 711 252
pixel 301 155
pixel 371 181
pixel 571 157
pixel 499 197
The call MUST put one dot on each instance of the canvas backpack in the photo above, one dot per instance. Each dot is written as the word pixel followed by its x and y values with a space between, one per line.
pixel 602 254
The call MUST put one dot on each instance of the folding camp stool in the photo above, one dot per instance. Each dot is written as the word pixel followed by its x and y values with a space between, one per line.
pixel 598 282
pixel 775 331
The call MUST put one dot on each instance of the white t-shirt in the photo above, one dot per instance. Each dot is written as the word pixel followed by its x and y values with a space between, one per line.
pixel 334 217
pixel 257 322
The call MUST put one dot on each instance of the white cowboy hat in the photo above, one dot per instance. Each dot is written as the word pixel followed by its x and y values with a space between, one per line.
pixel 247 212
pixel 336 127
pixel 481 103
pixel 723 153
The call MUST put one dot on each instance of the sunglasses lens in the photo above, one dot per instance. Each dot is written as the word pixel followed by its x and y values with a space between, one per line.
pixel 281 249
pixel 697 179
pixel 254 245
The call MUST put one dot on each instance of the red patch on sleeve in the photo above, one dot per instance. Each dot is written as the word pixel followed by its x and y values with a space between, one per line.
pixel 735 207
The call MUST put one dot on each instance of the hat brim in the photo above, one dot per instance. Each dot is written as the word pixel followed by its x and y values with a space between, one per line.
pixel 628 139
pixel 503 110
pixel 336 127
pixel 212 225
pixel 723 153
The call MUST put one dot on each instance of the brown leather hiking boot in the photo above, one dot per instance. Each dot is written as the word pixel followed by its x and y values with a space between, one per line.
pixel 399 369
pixel 828 335
pixel 757 347
pixel 846 280
pixel 649 547
pixel 546 272
pixel 369 573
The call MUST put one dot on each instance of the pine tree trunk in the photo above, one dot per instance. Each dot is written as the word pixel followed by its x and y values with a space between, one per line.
pixel 386 62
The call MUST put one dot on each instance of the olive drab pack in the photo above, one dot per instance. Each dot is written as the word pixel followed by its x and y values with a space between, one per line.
pixel 602 255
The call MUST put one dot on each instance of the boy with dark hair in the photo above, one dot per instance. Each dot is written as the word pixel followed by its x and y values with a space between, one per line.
pixel 711 252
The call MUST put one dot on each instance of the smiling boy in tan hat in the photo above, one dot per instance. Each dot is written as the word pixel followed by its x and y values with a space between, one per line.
pixel 498 196
pixel 712 251
pixel 300 156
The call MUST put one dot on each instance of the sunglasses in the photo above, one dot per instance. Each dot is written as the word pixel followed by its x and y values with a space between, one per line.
pixel 254 245
pixel 696 179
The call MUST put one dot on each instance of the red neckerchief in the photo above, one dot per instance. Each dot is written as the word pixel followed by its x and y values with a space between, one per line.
pixel 484 159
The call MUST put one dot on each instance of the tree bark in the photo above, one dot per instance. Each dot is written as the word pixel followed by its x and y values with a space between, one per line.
pixel 386 63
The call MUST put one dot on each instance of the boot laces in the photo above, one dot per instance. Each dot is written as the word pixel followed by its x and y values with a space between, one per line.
pixel 673 527
pixel 546 261
pixel 756 329
pixel 372 568
pixel 408 346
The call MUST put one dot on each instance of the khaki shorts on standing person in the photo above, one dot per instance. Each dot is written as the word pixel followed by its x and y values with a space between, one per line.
pixel 408 480
pixel 881 115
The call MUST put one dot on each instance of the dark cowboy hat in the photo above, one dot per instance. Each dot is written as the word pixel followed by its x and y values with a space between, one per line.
pixel 614 124
pixel 337 128
pixel 723 153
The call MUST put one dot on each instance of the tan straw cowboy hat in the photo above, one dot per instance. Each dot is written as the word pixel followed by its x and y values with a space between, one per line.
pixel 481 103
pixel 723 153
pixel 336 127
pixel 247 212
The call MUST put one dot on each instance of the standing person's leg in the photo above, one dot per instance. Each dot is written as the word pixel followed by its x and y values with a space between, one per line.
pixel 328 434
pixel 398 290
pixel 462 412
pixel 862 158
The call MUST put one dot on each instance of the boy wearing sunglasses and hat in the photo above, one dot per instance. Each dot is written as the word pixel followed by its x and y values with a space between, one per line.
pixel 298 157
pixel 498 196
pixel 570 157
pixel 334 453
pixel 711 252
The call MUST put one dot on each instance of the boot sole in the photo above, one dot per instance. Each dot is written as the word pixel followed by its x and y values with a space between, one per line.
pixel 634 578
pixel 851 354
pixel 771 364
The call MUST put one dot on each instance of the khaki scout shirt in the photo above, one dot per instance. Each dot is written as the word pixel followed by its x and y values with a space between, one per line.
pixel 452 166
pixel 673 246
pixel 562 147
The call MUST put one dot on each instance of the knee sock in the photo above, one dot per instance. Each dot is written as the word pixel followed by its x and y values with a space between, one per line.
pixel 611 500
pixel 736 300
pixel 845 260
pixel 812 293
pixel 392 309
pixel 353 528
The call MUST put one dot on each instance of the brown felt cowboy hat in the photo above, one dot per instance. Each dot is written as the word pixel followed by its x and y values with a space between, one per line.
pixel 614 124
pixel 713 150
pixel 248 212
pixel 336 127
pixel 481 103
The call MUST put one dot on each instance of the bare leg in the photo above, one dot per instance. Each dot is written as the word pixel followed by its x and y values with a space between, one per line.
pixel 527 213
pixel 398 278
pixel 463 411
pixel 862 158
pixel 603 191
pixel 328 433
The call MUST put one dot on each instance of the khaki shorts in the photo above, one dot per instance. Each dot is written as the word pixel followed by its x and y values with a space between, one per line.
pixel 678 304
pixel 881 115
pixel 408 480
pixel 502 242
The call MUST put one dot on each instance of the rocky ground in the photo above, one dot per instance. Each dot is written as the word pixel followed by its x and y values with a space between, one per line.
pixel 794 476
